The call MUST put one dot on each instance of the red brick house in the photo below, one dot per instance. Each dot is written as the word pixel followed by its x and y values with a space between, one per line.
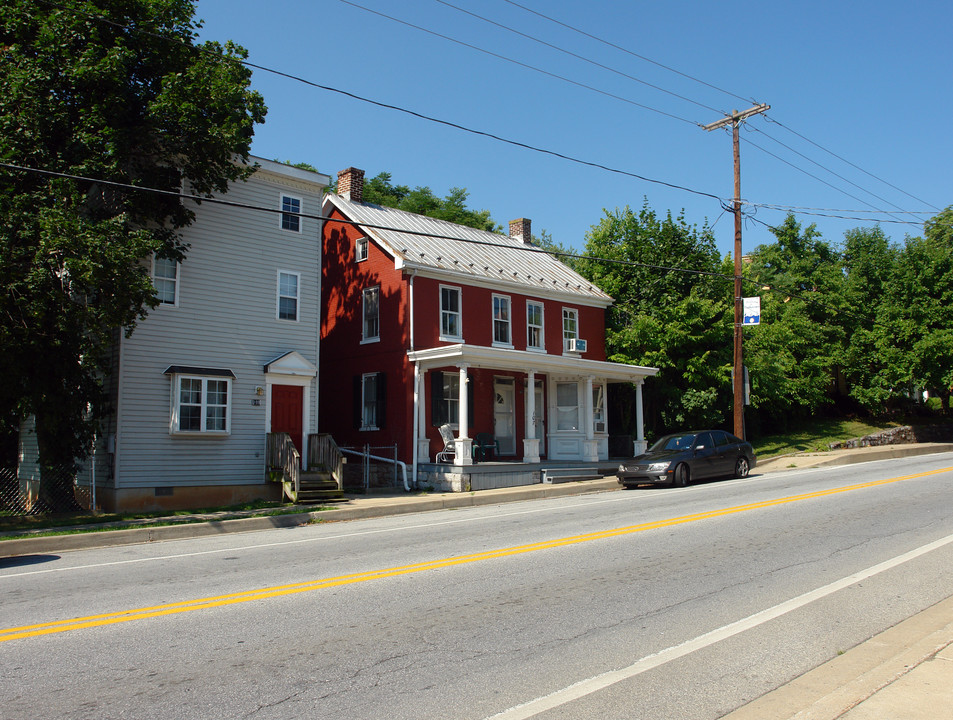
pixel 427 324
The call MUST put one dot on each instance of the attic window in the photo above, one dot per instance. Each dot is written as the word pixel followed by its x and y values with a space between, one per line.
pixel 360 249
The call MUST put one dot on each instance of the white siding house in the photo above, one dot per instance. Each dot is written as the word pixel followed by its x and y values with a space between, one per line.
pixel 229 355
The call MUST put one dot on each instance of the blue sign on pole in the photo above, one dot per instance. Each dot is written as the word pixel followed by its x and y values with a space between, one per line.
pixel 751 311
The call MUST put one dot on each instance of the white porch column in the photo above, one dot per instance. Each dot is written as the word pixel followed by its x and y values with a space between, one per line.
pixel 530 442
pixel 463 445
pixel 639 444
pixel 590 450
pixel 420 409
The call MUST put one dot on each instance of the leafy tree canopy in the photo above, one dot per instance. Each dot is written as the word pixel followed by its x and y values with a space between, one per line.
pixel 119 91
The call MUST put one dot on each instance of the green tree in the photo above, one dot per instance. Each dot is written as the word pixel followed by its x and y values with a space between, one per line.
pixel 917 314
pixel 676 320
pixel 379 190
pixel 792 357
pixel 122 92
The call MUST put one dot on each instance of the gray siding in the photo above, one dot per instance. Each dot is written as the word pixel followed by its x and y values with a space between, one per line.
pixel 226 318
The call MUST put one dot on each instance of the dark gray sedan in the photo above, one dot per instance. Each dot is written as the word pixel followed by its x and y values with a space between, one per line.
pixel 683 457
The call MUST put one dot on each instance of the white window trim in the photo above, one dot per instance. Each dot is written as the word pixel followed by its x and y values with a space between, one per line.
pixel 364 425
pixel 370 338
pixel 542 327
pixel 283 213
pixel 459 313
pixel 562 409
pixel 509 321
pixel 297 296
pixel 176 281
pixel 360 249
pixel 575 313
pixel 174 419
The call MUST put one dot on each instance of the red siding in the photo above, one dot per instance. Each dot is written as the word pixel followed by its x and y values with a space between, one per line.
pixel 343 356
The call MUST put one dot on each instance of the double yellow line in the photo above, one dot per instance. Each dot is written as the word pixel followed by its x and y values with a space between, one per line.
pixel 89 621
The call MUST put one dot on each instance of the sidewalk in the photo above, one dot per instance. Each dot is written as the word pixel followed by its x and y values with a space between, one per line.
pixel 905 673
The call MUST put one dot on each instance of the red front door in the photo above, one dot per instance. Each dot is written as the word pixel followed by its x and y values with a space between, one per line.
pixel 287 409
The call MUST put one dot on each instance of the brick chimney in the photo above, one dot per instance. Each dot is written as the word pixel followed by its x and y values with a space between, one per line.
pixel 351 184
pixel 520 229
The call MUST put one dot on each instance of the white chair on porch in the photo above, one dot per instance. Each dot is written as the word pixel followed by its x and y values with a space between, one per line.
pixel 449 449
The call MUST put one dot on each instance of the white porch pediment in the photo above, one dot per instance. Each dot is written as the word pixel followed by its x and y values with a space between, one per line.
pixel 291 363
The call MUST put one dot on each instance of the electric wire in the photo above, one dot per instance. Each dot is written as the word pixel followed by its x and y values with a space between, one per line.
pixel 820 180
pixel 457 126
pixel 845 160
pixel 579 57
pixel 549 251
pixel 630 52
pixel 520 64
pixel 823 167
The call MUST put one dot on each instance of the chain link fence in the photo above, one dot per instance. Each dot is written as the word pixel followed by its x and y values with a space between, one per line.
pixel 59 492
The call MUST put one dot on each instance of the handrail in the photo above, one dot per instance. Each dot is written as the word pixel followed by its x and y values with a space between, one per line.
pixel 403 465
pixel 324 452
pixel 281 453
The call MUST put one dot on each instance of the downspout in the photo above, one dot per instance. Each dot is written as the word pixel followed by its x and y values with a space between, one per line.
pixel 416 422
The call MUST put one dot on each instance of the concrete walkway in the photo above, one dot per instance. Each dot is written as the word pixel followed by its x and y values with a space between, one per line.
pixel 905 673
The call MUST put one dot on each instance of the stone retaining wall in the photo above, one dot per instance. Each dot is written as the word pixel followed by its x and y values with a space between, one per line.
pixel 900 436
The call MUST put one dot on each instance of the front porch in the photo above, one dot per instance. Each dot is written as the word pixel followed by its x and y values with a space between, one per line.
pixel 446 477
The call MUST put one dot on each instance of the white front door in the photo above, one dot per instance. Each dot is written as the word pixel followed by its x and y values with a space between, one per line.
pixel 504 425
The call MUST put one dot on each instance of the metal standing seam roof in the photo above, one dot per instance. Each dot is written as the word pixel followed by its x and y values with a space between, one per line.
pixel 465 251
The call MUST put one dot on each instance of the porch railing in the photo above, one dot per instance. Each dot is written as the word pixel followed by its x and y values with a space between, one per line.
pixel 323 452
pixel 281 456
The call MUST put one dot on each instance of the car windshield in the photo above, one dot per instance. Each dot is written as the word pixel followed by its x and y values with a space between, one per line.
pixel 675 442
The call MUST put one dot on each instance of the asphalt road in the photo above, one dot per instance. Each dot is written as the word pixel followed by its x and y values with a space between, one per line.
pixel 652 603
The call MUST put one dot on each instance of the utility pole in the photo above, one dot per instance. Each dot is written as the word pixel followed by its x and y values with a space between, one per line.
pixel 735 120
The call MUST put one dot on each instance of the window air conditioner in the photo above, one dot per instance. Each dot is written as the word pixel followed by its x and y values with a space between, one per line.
pixel 577 345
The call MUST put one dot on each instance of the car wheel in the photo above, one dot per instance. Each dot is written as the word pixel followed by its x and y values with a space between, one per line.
pixel 742 467
pixel 682 476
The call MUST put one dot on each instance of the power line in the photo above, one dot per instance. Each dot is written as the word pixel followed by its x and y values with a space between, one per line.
pixel 811 175
pixel 629 52
pixel 575 55
pixel 814 162
pixel 517 62
pixel 522 248
pixel 845 160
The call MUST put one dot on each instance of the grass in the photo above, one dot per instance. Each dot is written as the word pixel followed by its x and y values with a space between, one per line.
pixel 817 436
pixel 73 523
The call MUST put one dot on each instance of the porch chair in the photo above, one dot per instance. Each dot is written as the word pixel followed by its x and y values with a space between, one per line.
pixel 449 449
pixel 485 447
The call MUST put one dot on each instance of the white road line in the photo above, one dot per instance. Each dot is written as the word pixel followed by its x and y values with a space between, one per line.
pixel 649 662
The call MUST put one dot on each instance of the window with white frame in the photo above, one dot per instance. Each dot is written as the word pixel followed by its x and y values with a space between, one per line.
pixel 450 399
pixel 201 403
pixel 534 325
pixel 165 279
pixel 567 406
pixel 501 320
pixel 369 401
pixel 360 249
pixel 371 311
pixel 291 213
pixel 450 319
pixel 599 408
pixel 288 289
pixel 570 326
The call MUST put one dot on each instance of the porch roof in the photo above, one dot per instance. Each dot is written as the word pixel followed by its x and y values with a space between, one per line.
pixel 525 361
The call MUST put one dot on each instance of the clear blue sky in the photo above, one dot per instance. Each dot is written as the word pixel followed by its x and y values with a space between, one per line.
pixel 869 81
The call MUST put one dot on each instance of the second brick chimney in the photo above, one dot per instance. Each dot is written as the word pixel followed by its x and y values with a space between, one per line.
pixel 351 184
pixel 520 229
